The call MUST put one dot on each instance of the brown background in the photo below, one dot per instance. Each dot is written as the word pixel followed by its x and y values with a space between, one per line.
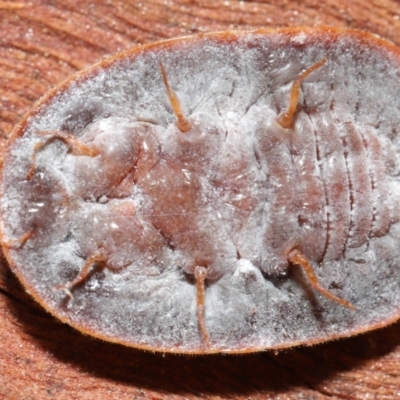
pixel 41 43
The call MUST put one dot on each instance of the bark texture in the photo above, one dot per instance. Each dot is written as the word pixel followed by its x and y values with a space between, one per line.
pixel 44 41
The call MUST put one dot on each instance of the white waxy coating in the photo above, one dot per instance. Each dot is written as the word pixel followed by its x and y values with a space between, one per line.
pixel 234 194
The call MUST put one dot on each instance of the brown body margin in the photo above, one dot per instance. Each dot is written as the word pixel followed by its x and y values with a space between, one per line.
pixel 296 257
pixel 286 119
pixel 77 147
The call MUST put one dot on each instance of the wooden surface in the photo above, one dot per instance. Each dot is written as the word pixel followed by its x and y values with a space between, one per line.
pixel 41 43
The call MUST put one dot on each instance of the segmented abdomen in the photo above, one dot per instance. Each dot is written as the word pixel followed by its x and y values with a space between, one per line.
pixel 339 189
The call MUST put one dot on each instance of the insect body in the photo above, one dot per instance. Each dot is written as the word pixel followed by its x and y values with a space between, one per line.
pixel 174 192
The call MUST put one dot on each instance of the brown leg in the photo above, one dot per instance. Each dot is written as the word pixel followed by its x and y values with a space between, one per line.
pixel 200 274
pixel 183 124
pixel 298 258
pixel 100 256
pixel 286 119
pixel 19 242
pixel 75 144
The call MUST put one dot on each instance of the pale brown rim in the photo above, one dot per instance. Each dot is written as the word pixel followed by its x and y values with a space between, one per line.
pixel 327 33
pixel 317 33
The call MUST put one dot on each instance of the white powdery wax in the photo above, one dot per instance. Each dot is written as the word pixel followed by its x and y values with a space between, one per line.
pixel 234 194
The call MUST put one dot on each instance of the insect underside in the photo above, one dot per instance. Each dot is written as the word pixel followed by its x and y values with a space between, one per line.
pixel 200 272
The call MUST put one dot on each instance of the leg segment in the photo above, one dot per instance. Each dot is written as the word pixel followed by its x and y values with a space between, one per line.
pixel 99 256
pixel 183 124
pixel 298 258
pixel 286 119
pixel 18 242
pixel 200 274
pixel 77 147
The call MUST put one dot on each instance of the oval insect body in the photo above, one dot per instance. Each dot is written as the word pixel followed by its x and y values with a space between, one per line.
pixel 228 192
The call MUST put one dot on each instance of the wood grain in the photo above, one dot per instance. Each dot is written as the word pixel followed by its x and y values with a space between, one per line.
pixel 41 43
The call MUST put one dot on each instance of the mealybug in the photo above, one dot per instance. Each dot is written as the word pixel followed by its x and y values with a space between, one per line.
pixel 227 192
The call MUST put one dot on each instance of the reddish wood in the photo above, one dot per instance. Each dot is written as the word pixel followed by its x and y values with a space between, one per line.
pixel 42 42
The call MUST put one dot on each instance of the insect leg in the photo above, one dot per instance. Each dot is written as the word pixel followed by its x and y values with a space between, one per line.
pixel 200 274
pixel 77 147
pixel 19 241
pixel 99 256
pixel 183 124
pixel 296 257
pixel 286 119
